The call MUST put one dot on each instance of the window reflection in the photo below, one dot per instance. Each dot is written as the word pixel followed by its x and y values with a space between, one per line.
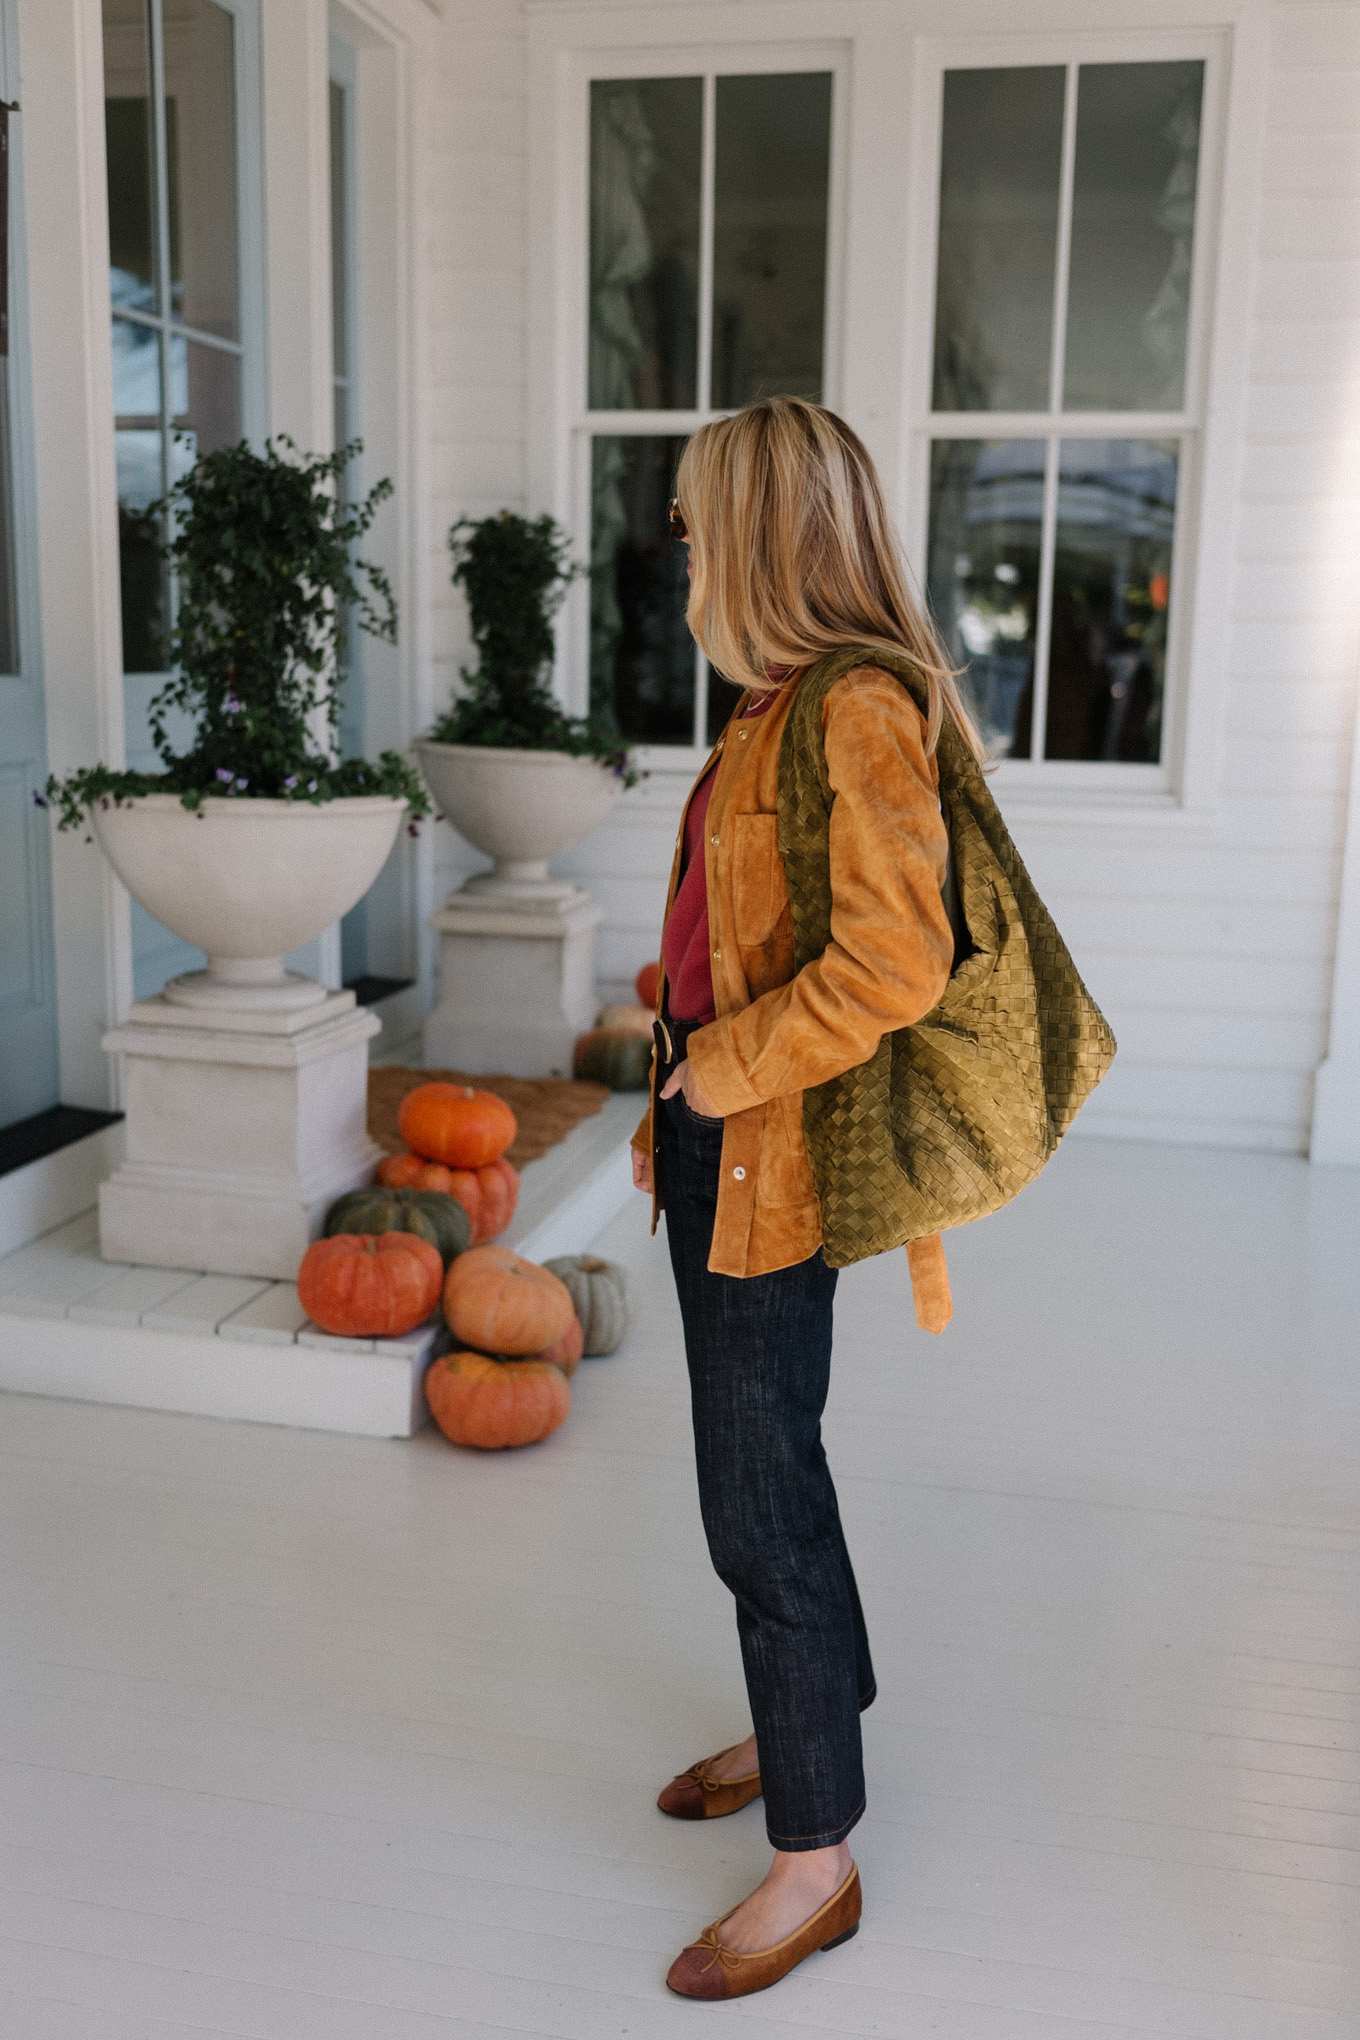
pixel 986 514
pixel 645 147
pixel 641 653
pixel 1111 599
pixel 1000 156
pixel 769 236
pixel 1133 224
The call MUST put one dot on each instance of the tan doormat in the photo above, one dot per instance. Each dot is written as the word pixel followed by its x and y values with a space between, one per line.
pixel 545 1108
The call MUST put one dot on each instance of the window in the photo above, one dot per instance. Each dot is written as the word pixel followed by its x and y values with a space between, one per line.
pixel 707 287
pixel 181 139
pixel 171 77
pixel 1061 427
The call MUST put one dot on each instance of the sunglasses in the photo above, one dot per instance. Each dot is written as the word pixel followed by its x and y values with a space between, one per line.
pixel 679 529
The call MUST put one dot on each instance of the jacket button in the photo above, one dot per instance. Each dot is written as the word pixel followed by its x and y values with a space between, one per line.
pixel 742 734
pixel 714 841
pixel 740 1175
pixel 717 952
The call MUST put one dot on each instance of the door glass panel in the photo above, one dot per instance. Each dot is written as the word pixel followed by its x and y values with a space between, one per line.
pixel 207 400
pixel 645 156
pixel 9 602
pixel 339 240
pixel 1133 225
pixel 1111 597
pixel 200 134
pixel 986 516
pixel 1000 161
pixel 129 154
pixel 138 450
pixel 773 159
pixel 641 653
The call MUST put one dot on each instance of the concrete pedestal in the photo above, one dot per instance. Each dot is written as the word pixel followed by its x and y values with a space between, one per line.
pixel 242 1126
pixel 516 979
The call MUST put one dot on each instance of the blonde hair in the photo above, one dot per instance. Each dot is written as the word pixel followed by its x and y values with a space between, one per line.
pixel 794 554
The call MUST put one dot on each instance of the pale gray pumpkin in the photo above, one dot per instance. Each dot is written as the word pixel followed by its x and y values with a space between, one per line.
pixel 599 1293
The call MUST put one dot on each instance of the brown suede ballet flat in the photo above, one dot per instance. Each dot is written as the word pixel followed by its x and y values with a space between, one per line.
pixel 706 1969
pixel 694 1795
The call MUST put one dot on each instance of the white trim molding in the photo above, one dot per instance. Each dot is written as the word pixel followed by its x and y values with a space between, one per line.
pixel 1336 1092
pixel 66 230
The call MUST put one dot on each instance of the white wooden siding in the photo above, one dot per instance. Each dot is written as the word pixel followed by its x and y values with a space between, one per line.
pixel 1209 941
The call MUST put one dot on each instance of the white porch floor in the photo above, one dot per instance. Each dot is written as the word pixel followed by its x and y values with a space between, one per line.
pixel 321 1738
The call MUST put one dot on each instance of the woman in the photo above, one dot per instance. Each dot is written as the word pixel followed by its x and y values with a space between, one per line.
pixel 792 557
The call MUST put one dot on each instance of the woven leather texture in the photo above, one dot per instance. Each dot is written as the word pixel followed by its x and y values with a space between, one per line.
pixel 952 1117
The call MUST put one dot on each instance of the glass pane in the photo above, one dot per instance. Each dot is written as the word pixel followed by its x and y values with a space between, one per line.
pixel 9 607
pixel 200 122
pixel 129 155
pixel 645 137
pixel 1133 227
pixel 641 652
pixel 1111 595
pixel 138 447
pixel 773 159
pixel 986 514
pixel 1000 160
pixel 339 238
pixel 206 388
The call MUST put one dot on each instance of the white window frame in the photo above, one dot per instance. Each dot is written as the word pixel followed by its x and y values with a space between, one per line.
pixel 576 423
pixel 1099 790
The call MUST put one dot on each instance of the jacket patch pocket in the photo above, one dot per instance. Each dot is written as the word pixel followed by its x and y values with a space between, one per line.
pixel 759 894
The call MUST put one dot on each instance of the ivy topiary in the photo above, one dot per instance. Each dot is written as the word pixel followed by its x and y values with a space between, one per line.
pixel 261 552
pixel 514 572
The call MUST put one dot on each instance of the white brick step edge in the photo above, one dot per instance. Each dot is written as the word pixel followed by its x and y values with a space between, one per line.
pixel 75 1326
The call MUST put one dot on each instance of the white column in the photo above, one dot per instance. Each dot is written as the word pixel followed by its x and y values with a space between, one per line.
pixel 66 228
pixel 295 125
pixel 1336 1095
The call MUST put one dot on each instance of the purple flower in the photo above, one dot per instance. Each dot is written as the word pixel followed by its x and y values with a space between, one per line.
pixel 231 706
pixel 224 775
pixel 241 785
pixel 290 782
pixel 311 786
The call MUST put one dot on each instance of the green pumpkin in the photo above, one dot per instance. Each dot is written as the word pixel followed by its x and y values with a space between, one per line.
pixel 429 1214
pixel 617 1056
pixel 599 1295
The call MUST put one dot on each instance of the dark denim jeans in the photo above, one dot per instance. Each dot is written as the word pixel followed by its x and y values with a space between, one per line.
pixel 759 1353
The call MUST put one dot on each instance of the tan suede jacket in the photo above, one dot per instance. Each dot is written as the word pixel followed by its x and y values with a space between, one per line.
pixel 779 1031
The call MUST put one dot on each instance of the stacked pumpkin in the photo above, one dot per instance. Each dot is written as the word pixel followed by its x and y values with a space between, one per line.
pixel 520 1331
pixel 457 1137
pixel 618 1049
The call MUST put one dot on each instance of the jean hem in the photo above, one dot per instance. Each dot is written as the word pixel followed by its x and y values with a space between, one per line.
pixel 795 1844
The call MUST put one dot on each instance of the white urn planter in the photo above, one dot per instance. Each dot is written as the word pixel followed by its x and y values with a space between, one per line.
pixel 517 946
pixel 245 1085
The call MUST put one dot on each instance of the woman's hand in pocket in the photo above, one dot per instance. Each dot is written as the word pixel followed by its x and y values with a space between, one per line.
pixel 683 1079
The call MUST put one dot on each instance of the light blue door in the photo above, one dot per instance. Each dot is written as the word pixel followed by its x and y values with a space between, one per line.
pixel 28 1012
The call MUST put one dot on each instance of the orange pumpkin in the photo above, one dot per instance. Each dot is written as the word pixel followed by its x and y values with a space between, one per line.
pixel 453 1124
pixel 645 985
pixel 492 1404
pixel 399 1172
pixel 565 1352
pixel 413 1172
pixel 500 1303
pixel 370 1285
pixel 488 1195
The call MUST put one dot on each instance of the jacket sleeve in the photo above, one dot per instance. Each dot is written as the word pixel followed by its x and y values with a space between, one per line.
pixel 891 948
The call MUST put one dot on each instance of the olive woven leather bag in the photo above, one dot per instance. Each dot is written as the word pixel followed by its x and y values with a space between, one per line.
pixel 951 1117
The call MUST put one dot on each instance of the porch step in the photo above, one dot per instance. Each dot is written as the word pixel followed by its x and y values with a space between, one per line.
pixel 76 1326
